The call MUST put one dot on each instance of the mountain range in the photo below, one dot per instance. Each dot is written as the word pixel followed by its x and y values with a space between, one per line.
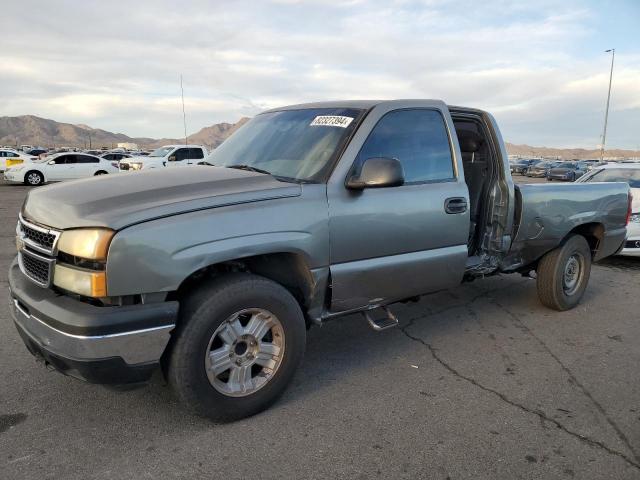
pixel 37 131
pixel 33 130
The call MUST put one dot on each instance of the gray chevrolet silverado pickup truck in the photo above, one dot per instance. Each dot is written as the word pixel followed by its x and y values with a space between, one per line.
pixel 306 214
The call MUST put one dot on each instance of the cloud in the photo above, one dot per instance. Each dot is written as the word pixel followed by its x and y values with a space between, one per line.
pixel 539 68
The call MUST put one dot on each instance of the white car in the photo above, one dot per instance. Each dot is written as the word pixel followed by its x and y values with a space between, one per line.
pixel 9 157
pixel 629 173
pixel 57 168
pixel 167 156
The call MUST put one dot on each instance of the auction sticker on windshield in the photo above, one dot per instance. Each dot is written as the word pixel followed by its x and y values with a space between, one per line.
pixel 331 121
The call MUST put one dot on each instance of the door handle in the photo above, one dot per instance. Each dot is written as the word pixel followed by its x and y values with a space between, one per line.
pixel 455 205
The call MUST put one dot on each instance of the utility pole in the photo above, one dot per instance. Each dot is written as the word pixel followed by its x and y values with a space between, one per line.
pixel 184 115
pixel 606 113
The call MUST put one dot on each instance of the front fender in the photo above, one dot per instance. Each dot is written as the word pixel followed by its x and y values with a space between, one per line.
pixel 157 256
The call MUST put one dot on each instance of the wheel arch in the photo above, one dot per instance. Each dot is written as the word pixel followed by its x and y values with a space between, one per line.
pixel 593 233
pixel 288 269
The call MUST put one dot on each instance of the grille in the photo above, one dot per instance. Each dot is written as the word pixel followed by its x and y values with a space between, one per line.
pixel 43 239
pixel 35 268
pixel 38 238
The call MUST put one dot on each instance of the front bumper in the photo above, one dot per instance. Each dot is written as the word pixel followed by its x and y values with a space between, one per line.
pixel 536 174
pixel 563 177
pixel 112 345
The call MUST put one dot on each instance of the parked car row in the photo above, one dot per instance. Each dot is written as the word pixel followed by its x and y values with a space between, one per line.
pixel 553 169
pixel 53 167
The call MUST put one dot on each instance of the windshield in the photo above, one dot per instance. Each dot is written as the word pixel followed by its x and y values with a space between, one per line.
pixel 627 175
pixel 299 145
pixel 161 152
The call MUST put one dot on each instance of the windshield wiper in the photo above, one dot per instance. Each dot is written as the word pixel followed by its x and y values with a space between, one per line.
pixel 249 168
pixel 281 178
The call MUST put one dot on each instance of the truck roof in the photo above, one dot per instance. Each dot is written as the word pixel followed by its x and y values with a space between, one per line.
pixel 365 104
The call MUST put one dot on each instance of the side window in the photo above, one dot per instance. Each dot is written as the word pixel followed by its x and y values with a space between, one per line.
pixel 62 159
pixel 71 159
pixel 109 156
pixel 196 153
pixel 416 137
pixel 181 154
pixel 87 159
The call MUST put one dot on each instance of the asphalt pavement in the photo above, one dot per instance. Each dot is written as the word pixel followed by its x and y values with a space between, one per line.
pixel 479 382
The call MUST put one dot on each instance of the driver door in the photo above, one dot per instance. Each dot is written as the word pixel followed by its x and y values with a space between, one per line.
pixel 393 243
pixel 62 168
pixel 178 157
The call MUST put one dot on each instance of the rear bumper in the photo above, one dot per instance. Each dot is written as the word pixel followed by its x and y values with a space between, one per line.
pixel 632 244
pixel 13 177
pixel 112 345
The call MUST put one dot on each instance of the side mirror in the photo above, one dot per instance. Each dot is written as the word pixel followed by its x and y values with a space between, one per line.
pixel 377 172
pixel 51 162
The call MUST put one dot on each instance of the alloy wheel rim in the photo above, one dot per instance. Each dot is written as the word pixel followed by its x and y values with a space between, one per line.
pixel 573 272
pixel 245 352
pixel 33 179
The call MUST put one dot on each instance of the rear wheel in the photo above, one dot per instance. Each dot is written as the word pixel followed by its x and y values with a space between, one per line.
pixel 101 172
pixel 239 342
pixel 33 178
pixel 563 274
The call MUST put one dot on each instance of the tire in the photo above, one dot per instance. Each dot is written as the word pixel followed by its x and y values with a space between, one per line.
pixel 33 178
pixel 557 287
pixel 549 179
pixel 100 172
pixel 205 319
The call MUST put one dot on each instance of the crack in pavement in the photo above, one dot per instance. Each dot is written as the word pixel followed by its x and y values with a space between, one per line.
pixel 621 435
pixel 634 462
pixel 464 305
pixel 541 415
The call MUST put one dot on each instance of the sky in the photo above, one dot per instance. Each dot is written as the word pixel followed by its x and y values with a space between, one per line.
pixel 538 66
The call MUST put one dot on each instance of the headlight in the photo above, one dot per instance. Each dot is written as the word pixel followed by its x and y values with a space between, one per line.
pixel 635 218
pixel 85 282
pixel 89 243
pixel 135 165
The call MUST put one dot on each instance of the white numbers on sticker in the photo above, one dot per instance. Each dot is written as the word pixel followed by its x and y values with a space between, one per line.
pixel 331 121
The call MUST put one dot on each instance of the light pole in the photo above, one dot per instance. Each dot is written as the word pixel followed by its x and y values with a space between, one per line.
pixel 606 112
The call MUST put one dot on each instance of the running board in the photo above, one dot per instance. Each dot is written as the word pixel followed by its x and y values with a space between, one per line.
pixel 379 324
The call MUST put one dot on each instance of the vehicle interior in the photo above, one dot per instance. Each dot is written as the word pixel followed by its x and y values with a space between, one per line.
pixel 481 172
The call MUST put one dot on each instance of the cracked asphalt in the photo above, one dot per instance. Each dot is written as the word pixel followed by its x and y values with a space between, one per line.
pixel 478 382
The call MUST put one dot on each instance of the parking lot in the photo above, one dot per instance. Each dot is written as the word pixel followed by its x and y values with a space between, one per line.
pixel 478 382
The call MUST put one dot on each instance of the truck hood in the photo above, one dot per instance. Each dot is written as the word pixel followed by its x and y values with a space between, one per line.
pixel 119 200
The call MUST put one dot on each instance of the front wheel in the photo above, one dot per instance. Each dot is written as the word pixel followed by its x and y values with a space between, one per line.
pixel 100 172
pixel 563 274
pixel 238 344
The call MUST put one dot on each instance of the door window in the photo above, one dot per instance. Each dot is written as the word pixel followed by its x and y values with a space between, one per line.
pixel 64 159
pixel 416 137
pixel 196 153
pixel 87 159
pixel 181 154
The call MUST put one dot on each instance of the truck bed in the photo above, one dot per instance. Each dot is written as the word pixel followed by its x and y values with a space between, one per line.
pixel 547 213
